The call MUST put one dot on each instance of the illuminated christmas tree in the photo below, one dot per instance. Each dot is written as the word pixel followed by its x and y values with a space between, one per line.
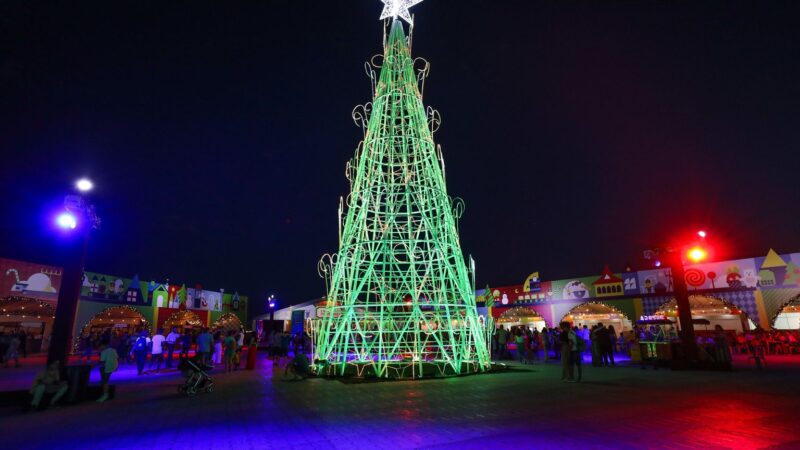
pixel 401 301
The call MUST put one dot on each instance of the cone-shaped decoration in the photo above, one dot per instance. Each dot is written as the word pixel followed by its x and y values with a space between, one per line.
pixel 400 301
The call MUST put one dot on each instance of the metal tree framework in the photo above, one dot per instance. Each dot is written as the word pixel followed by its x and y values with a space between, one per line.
pixel 401 302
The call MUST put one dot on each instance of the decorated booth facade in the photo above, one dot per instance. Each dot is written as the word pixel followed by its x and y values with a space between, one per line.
pixel 738 294
pixel 29 293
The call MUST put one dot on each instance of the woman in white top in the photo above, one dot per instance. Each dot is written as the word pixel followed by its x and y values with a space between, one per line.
pixel 216 358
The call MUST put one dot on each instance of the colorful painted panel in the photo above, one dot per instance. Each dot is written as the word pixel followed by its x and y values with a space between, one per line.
pixel 657 281
pixel 21 278
pixel 736 274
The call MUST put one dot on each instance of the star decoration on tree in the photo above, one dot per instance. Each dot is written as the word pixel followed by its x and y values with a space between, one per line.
pixel 395 8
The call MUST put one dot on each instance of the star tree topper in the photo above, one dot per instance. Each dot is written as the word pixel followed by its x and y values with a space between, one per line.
pixel 395 8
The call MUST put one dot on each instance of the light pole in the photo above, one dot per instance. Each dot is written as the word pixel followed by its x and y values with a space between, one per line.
pixel 271 305
pixel 77 219
pixel 695 252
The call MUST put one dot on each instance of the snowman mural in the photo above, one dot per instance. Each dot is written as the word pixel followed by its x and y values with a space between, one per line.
pixel 750 279
pixel 575 290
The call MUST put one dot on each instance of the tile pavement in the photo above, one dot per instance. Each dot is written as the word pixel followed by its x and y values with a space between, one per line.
pixel 623 407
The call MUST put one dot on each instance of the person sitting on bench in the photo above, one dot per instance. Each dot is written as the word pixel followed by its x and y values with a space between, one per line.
pixel 48 381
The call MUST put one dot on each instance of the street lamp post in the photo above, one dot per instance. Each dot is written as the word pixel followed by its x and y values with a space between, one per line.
pixel 80 218
pixel 271 306
pixel 674 261
pixel 688 341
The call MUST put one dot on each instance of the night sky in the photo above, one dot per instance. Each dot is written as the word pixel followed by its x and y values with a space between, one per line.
pixel 577 133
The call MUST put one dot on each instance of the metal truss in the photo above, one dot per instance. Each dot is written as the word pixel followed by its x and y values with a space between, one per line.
pixel 401 301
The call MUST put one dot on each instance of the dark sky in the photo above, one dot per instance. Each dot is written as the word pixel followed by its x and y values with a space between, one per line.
pixel 577 133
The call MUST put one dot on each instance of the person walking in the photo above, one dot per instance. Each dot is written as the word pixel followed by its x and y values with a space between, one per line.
pixel 157 349
pixel 172 339
pixel 139 351
pixel 230 351
pixel 48 381
pixel 109 362
pixel 566 350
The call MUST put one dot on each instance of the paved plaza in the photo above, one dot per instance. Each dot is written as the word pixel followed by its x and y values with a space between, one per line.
pixel 527 407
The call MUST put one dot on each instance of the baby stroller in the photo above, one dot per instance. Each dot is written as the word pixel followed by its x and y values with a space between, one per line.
pixel 197 378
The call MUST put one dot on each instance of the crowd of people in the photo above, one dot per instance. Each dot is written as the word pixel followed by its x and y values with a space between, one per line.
pixel 279 342
pixel 604 342
pixel 220 348
pixel 531 344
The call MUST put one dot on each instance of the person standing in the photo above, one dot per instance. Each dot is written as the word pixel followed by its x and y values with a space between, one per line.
pixel 216 357
pixel 566 351
pixel 12 352
pixel 122 346
pixel 186 343
pixel 48 381
pixel 502 342
pixel 109 362
pixel 239 346
pixel 275 346
pixel 578 346
pixel 519 341
pixel 157 350
pixel 23 343
pixel 172 338
pixel 204 345
pixel 88 347
pixel 230 351
pixel 139 351
pixel 722 348
pixel 286 340
pixel 546 343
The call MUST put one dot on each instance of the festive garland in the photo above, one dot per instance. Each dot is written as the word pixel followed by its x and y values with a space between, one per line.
pixel 795 299
pixel 6 302
pixel 574 310
pixel 228 321
pixel 696 309
pixel 86 327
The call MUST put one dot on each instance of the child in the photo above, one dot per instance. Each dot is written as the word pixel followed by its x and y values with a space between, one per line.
pixel 298 367
pixel 109 361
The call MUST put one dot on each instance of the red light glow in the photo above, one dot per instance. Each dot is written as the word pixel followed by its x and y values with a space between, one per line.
pixel 697 254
